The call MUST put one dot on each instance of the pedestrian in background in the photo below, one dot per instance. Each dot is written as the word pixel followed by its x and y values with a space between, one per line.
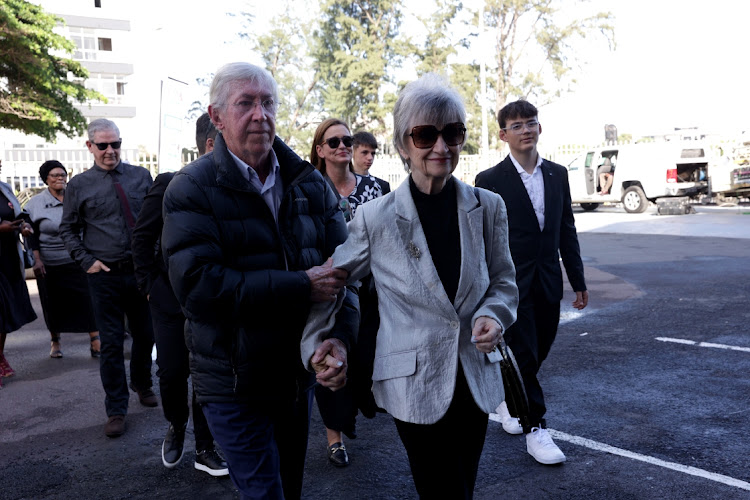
pixel 446 291
pixel 169 326
pixel 99 213
pixel 63 288
pixel 331 154
pixel 15 304
pixel 365 149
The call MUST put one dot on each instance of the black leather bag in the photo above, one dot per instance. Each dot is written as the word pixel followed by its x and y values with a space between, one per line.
pixel 28 254
pixel 515 392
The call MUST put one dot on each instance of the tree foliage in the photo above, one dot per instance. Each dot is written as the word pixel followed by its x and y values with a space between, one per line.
pixel 285 51
pixel 36 95
pixel 357 48
pixel 536 46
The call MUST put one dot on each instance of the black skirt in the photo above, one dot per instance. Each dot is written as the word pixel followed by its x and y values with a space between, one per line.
pixel 64 292
pixel 15 304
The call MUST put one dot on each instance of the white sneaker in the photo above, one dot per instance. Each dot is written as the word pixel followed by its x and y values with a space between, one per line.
pixel 539 444
pixel 511 425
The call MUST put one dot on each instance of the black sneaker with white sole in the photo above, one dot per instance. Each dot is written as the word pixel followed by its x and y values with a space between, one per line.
pixel 211 462
pixel 173 447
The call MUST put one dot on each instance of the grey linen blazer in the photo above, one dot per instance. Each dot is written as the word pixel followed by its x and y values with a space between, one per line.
pixel 422 335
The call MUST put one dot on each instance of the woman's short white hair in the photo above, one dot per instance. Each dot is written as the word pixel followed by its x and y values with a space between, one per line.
pixel 101 125
pixel 430 100
pixel 229 74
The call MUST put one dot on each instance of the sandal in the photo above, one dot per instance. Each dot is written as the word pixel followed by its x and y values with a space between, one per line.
pixel 55 353
pixel 5 369
pixel 94 352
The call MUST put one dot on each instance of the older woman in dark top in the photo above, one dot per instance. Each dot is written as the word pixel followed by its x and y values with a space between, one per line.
pixel 438 252
pixel 62 284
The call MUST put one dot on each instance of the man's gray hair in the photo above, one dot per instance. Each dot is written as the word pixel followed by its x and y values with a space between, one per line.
pixel 427 101
pixel 101 125
pixel 231 73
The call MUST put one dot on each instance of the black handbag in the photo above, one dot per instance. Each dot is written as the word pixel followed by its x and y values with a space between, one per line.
pixel 515 392
pixel 28 254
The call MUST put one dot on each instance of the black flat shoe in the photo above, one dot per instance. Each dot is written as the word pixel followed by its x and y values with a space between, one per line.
pixel 337 455
pixel 95 354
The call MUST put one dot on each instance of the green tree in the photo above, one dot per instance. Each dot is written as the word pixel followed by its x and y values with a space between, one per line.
pixel 357 47
pixel 285 51
pixel 536 46
pixel 36 95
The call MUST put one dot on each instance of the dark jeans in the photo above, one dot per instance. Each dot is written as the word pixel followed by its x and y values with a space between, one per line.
pixel 172 359
pixel 113 296
pixel 530 338
pixel 265 451
pixel 444 456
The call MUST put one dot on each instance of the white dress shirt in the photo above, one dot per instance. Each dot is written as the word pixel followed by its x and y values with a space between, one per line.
pixel 271 190
pixel 534 184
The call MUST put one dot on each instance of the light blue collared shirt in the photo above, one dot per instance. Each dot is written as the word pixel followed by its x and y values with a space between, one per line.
pixel 534 185
pixel 272 190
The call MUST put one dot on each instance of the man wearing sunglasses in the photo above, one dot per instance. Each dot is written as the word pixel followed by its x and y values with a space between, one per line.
pixel 248 232
pixel 542 229
pixel 99 212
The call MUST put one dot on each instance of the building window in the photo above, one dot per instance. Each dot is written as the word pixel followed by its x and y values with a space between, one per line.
pixel 98 4
pixel 105 44
pixel 120 88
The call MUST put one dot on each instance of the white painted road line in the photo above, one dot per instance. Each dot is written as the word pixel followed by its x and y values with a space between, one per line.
pixel 704 344
pixel 693 471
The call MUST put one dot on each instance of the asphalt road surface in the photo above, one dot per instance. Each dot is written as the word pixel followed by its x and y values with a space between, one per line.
pixel 648 392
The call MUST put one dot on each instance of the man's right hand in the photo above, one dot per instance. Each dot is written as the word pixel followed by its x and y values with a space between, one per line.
pixel 326 281
pixel 96 267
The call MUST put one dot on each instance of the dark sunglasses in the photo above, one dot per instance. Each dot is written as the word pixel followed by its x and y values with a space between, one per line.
pixel 333 142
pixel 103 145
pixel 425 136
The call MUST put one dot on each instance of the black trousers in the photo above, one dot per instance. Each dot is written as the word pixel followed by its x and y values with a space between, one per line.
pixel 530 338
pixel 444 456
pixel 172 359
pixel 114 295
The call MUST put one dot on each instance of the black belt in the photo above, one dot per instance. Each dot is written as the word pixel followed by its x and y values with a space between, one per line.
pixel 125 265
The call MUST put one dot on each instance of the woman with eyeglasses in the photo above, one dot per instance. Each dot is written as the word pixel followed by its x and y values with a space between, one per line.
pixel 63 288
pixel 331 154
pixel 438 252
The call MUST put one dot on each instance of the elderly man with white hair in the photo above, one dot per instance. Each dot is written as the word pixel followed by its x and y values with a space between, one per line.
pixel 248 231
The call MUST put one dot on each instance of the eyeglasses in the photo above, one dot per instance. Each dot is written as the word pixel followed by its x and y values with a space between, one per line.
pixel 425 136
pixel 519 128
pixel 333 142
pixel 268 105
pixel 103 145
pixel 57 176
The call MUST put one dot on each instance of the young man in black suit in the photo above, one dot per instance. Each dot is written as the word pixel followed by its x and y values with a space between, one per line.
pixel 542 229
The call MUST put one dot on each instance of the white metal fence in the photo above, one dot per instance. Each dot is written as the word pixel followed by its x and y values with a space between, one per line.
pixel 20 167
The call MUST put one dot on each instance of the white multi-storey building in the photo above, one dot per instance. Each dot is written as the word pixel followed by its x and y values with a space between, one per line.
pixel 101 32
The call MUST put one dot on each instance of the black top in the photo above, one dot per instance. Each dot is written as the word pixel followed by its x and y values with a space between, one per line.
pixel 438 214
pixel 93 226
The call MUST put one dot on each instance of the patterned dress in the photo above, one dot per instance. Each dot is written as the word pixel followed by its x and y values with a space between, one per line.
pixel 366 189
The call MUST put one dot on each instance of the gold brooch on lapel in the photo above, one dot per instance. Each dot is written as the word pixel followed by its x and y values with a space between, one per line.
pixel 414 250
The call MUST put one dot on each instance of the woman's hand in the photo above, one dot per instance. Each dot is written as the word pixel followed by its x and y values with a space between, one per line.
pixel 329 363
pixel 26 229
pixel 38 268
pixel 486 334
pixel 8 226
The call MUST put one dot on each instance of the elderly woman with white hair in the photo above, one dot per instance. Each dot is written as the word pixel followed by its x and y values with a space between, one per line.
pixel 438 252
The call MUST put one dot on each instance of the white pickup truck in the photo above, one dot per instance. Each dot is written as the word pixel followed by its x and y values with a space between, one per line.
pixel 641 173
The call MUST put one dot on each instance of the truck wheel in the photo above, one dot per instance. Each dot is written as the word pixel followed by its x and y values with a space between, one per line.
pixel 588 207
pixel 634 200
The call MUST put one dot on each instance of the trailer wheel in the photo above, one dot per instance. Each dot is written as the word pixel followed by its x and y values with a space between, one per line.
pixel 588 207
pixel 634 200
